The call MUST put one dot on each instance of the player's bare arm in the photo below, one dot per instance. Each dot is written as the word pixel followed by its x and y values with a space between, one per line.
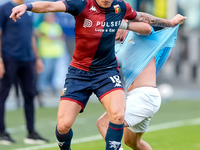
pixel 140 27
pixel 154 21
pixel 38 7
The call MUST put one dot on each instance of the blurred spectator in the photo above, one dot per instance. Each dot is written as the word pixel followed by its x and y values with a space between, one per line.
pixel 18 58
pixel 191 9
pixel 160 10
pixel 192 26
pixel 146 6
pixel 51 47
pixel 67 21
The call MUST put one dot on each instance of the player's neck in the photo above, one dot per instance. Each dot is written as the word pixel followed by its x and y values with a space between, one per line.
pixel 18 1
pixel 104 4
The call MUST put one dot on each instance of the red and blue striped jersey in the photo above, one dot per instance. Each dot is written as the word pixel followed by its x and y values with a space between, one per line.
pixel 95 31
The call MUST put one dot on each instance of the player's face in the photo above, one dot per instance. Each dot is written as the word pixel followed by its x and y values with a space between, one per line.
pixel 104 3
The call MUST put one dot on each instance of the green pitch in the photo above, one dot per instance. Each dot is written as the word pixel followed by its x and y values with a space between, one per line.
pixel 176 126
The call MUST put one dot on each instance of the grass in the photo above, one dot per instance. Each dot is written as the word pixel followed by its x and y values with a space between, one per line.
pixel 178 138
pixel 182 138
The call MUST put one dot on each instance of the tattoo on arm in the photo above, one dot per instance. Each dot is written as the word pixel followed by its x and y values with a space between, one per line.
pixel 152 20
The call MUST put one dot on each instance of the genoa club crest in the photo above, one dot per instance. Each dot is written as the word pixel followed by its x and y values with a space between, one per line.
pixel 117 9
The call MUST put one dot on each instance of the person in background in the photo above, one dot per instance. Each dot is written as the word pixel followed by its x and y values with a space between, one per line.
pixel 18 58
pixel 51 47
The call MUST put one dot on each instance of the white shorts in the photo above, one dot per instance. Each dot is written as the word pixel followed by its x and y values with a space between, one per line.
pixel 141 104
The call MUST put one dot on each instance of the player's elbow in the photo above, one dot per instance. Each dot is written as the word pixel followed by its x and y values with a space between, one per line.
pixel 147 29
pixel 50 8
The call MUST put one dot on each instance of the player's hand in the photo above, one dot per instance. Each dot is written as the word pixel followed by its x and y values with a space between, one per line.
pixel 2 70
pixel 17 12
pixel 178 19
pixel 39 65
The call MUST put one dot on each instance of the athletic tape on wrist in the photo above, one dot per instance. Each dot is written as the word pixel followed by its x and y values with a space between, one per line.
pixel 124 25
pixel 29 7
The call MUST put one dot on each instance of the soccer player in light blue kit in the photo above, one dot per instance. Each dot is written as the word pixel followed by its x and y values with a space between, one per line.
pixel 140 58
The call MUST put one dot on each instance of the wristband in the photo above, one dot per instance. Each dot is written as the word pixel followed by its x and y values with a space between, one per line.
pixel 124 25
pixel 29 7
pixel 127 25
pixel 1 60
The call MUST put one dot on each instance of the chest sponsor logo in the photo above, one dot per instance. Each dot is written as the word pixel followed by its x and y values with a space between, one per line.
pixel 87 23
pixel 107 26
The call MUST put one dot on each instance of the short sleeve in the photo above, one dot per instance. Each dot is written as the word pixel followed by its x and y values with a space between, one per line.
pixel 75 7
pixel 130 12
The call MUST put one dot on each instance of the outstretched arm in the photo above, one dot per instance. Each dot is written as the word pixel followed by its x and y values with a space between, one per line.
pixel 154 21
pixel 138 27
pixel 38 7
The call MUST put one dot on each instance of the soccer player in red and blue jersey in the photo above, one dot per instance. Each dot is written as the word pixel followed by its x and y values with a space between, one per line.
pixel 93 68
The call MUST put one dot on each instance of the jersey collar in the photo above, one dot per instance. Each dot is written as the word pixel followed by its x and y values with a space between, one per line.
pixel 104 10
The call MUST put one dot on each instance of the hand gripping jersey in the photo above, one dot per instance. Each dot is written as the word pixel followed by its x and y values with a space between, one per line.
pixel 136 51
pixel 95 31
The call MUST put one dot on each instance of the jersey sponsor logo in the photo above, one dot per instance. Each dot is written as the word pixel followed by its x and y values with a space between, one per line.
pixel 114 144
pixel 117 8
pixel 87 23
pixel 109 24
pixel 104 30
pixel 93 8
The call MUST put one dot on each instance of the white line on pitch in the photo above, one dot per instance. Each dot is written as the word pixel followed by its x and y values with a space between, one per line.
pixel 162 126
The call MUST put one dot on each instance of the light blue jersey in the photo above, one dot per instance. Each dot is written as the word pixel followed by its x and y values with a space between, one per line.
pixel 136 51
